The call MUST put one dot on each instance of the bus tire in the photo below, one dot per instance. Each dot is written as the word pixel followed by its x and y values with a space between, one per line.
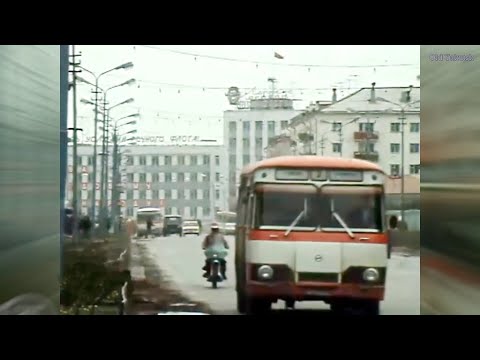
pixel 258 306
pixel 372 307
pixel 241 302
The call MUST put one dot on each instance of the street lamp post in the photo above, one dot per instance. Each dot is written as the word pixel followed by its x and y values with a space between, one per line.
pixel 125 66
pixel 116 165
pixel 105 145
pixel 407 103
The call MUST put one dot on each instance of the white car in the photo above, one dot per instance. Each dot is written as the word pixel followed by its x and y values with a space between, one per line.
pixel 191 227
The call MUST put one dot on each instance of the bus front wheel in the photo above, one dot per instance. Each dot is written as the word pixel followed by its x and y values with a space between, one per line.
pixel 258 306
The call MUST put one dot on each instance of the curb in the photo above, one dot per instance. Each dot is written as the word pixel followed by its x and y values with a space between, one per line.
pixel 138 273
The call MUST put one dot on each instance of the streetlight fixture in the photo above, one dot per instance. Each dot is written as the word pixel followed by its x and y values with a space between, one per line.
pixel 407 103
pixel 124 66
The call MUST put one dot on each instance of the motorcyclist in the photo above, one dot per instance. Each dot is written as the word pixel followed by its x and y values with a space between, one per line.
pixel 215 238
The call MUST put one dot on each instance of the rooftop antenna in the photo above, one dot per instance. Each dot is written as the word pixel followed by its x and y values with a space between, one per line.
pixel 272 86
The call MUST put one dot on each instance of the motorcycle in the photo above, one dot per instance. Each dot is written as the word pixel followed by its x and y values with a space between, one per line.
pixel 215 256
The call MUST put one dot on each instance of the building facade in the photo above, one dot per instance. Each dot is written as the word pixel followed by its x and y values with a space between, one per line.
pixel 365 125
pixel 184 180
pixel 247 133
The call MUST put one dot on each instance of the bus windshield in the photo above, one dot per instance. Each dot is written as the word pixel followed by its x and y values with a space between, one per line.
pixel 359 208
pixel 143 217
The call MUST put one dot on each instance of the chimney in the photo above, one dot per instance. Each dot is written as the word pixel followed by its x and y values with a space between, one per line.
pixel 334 96
pixel 372 93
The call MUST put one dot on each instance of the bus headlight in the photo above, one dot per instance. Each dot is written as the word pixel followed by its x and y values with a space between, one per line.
pixel 371 275
pixel 265 272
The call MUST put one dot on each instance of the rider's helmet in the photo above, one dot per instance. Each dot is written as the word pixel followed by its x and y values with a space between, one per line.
pixel 214 227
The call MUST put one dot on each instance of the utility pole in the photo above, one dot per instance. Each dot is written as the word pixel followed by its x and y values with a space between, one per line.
pixel 322 144
pixel 74 72
pixel 402 119
pixel 115 179
pixel 340 134
pixel 95 134
pixel 103 219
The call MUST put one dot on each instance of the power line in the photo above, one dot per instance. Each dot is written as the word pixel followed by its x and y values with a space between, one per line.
pixel 196 55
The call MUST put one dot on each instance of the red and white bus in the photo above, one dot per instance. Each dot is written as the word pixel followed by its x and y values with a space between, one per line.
pixel 300 235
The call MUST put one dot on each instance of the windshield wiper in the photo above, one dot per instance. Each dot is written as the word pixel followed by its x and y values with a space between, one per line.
pixel 344 225
pixel 294 223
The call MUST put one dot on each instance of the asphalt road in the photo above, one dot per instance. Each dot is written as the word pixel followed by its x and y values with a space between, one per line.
pixel 181 259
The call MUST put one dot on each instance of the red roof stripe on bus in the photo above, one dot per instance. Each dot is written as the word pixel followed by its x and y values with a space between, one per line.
pixel 264 235
pixel 312 161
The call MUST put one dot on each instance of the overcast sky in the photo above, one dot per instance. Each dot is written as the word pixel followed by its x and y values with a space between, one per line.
pixel 180 90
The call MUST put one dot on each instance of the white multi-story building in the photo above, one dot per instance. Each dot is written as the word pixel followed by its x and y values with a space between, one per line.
pixel 247 133
pixel 184 180
pixel 365 125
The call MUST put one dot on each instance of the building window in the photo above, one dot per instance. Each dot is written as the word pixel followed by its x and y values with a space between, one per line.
pixel 180 194
pixel 336 126
pixel 271 128
pixel 129 160
pixel 258 129
pixel 90 160
pixel 415 169
pixel 168 194
pixel 415 127
pixel 232 142
pixel 233 160
pixel 143 177
pixel 284 124
pixel 246 144
pixel 367 148
pixel 395 127
pixel 246 159
pixel 206 159
pixel 193 159
pixel 217 194
pixel 394 148
pixel 142 160
pixel 168 160
pixel 129 194
pixel 168 177
pixel 206 194
pixel 232 127
pixel 366 127
pixel 155 195
pixel 414 148
pixel 395 170
pixel 193 194
pixel 142 195
pixel 168 211
pixel 217 177
pixel 193 177
pixel 130 178
pixel 181 177
pixel 246 129
pixel 155 160
pixel 206 211
pixel 206 177
pixel 181 160
pixel 337 147
pixel 155 178
pixel 217 160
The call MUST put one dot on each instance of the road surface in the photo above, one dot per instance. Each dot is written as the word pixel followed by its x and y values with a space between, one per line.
pixel 181 259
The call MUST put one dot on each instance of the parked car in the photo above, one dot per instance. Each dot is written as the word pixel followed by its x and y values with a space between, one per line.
pixel 191 227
